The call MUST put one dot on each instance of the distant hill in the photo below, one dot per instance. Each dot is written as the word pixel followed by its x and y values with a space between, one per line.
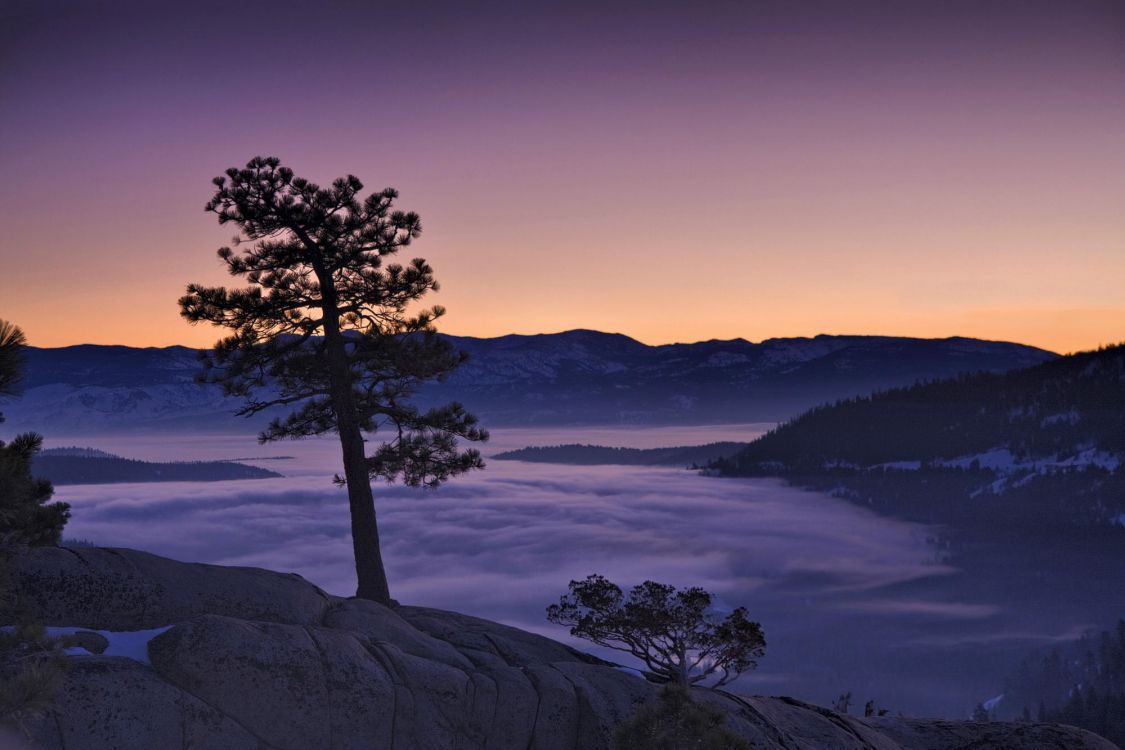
pixel 577 377
pixel 593 455
pixel 76 451
pixel 1041 443
pixel 91 466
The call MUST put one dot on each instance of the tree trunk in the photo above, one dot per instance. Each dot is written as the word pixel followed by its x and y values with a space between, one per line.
pixel 369 569
pixel 370 573
pixel 683 677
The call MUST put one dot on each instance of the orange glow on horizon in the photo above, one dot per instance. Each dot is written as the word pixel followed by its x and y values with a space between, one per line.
pixel 1061 330
pixel 719 174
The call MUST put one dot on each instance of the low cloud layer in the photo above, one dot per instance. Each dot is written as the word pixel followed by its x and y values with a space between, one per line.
pixel 841 593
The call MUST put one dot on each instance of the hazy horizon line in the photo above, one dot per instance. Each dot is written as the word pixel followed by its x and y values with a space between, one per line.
pixel 652 344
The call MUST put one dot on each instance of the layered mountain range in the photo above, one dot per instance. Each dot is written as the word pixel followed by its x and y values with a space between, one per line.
pixel 576 377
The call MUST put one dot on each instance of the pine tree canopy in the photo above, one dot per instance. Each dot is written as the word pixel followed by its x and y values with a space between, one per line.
pixel 327 324
pixel 12 342
pixel 327 327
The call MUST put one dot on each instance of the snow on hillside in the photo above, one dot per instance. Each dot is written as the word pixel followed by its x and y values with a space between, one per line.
pixel 1002 461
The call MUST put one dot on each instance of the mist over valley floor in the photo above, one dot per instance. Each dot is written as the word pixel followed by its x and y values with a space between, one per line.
pixel 849 600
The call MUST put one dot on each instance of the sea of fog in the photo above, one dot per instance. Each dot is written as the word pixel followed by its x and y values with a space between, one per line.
pixel 849 600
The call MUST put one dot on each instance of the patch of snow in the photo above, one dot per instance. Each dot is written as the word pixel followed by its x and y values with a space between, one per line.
pixel 777 352
pixel 992 703
pixel 1091 457
pixel 725 359
pixel 132 644
pixel 997 459
pixel 1067 417
pixel 630 670
pixel 1002 461
pixel 1120 520
pixel 900 465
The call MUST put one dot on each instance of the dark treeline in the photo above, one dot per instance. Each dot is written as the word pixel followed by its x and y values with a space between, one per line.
pixel 1082 684
pixel 592 455
pixel 74 450
pixel 917 452
pixel 1048 409
pixel 87 469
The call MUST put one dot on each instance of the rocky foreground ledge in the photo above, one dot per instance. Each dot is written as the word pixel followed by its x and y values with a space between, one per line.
pixel 248 658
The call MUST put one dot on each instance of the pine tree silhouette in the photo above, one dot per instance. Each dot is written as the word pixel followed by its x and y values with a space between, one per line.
pixel 325 327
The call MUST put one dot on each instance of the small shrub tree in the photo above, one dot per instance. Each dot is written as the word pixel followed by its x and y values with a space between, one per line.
pixel 31 662
pixel 674 633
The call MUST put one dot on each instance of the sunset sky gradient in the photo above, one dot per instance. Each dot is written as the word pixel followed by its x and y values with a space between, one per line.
pixel 671 171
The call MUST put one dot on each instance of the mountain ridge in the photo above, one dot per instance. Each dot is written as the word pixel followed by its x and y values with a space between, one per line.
pixel 575 377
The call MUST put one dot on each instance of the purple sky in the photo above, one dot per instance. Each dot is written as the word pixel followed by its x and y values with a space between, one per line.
pixel 672 171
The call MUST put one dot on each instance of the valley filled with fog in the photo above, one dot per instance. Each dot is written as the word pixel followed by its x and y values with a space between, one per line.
pixel 849 600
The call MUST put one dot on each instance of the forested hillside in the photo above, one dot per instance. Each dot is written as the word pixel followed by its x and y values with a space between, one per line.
pixel 1047 441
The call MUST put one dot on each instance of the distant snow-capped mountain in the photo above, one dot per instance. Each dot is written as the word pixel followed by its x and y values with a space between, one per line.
pixel 575 377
